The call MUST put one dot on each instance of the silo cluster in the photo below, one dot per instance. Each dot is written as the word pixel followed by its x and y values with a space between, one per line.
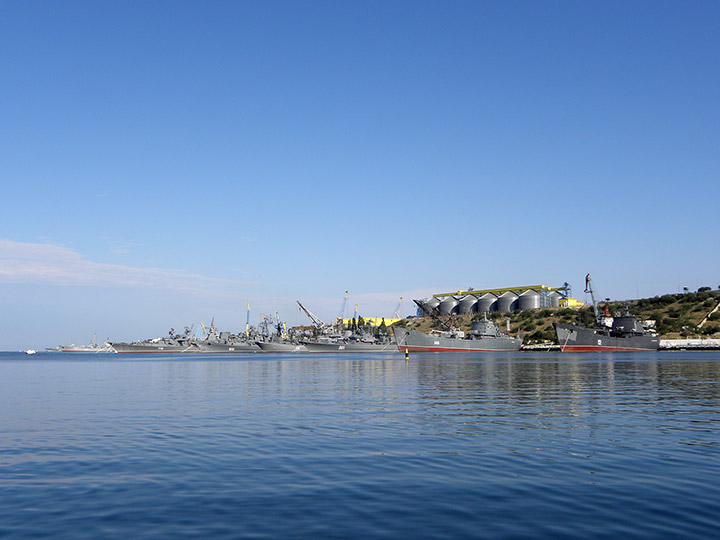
pixel 508 301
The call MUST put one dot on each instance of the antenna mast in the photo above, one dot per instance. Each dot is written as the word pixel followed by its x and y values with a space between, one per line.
pixel 247 322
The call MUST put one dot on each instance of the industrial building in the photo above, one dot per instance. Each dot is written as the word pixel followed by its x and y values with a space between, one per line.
pixel 504 299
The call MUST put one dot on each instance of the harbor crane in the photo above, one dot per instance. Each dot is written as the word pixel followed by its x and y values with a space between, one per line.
pixel 589 289
pixel 397 314
pixel 433 315
pixel 207 332
pixel 317 323
pixel 344 305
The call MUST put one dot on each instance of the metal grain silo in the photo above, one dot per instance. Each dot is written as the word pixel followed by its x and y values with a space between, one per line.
pixel 554 299
pixel 467 304
pixel 530 299
pixel 430 305
pixel 433 303
pixel 507 302
pixel 448 306
pixel 487 302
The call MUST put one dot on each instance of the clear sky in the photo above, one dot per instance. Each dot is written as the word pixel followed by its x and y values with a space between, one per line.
pixel 163 163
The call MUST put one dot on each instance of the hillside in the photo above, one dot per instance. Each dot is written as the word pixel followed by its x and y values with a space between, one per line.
pixel 675 316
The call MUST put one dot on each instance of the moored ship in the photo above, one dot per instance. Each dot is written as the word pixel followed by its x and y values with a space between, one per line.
pixel 281 346
pixel 91 347
pixel 333 339
pixel 484 336
pixel 620 333
pixel 352 343
pixel 172 343
pixel 212 342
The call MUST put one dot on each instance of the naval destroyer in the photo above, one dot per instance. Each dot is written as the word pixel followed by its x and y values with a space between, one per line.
pixel 212 342
pixel 277 339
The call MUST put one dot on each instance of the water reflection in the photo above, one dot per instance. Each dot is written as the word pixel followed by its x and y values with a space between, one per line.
pixel 276 446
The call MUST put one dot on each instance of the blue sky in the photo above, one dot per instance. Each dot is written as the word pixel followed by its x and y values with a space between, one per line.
pixel 163 163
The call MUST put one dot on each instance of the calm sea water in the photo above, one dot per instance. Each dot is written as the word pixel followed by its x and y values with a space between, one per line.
pixel 515 445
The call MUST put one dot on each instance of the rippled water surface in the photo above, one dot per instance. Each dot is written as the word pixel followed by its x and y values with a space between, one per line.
pixel 516 445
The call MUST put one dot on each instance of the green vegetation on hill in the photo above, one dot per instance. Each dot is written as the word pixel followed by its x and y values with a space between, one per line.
pixel 675 316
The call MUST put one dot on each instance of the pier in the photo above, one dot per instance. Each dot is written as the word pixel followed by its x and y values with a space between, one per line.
pixel 698 344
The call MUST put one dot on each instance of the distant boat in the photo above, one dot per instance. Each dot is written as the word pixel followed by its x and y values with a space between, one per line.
pixel 31 351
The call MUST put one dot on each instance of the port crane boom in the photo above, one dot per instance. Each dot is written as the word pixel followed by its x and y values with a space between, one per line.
pixel 397 314
pixel 431 313
pixel 589 289
pixel 344 305
pixel 320 325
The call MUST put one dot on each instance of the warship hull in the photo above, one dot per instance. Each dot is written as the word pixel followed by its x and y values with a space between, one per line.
pixel 155 348
pixel 414 341
pixel 229 348
pixel 270 346
pixel 350 347
pixel 147 348
pixel 573 338
pixel 81 349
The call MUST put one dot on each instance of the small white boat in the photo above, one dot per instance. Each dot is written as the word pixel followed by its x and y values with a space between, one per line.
pixel 30 351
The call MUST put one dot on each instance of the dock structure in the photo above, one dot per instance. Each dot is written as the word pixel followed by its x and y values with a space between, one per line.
pixel 697 344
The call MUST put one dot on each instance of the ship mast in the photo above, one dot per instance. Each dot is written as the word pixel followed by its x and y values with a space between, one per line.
pixel 588 288
pixel 247 322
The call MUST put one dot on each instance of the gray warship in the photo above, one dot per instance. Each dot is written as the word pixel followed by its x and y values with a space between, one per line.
pixel 226 342
pixel 484 336
pixel 281 346
pixel 172 343
pixel 212 342
pixel 275 338
pixel 91 347
pixel 332 339
pixel 351 343
pixel 623 332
